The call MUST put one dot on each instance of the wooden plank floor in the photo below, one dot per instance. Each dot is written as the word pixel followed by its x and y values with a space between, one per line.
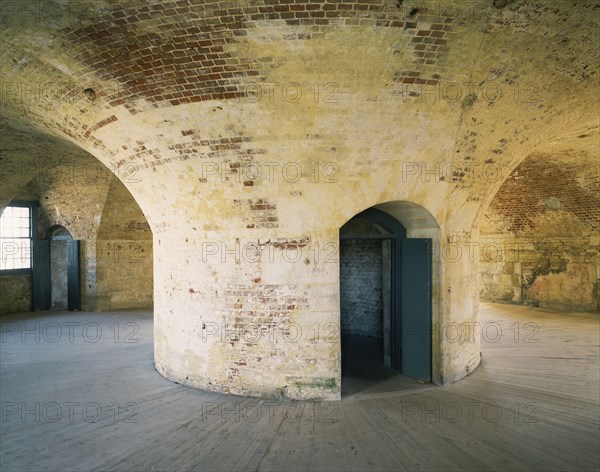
pixel 85 399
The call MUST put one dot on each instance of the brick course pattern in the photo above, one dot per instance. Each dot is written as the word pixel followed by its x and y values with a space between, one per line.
pixel 539 239
pixel 361 288
pixel 189 60
pixel 526 194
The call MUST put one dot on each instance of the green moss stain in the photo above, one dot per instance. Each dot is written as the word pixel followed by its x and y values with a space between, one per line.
pixel 325 383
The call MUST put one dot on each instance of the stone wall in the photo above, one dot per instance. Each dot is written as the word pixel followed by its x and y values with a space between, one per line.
pixel 116 241
pixel 540 241
pixel 72 196
pixel 15 293
pixel 123 253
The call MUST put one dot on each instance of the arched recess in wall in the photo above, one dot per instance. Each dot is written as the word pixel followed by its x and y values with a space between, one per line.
pixel 55 270
pixel 539 234
pixel 113 238
pixel 389 292
pixel 77 191
pixel 65 289
pixel 124 259
pixel 538 225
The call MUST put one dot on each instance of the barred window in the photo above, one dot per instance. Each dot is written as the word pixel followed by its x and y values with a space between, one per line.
pixel 15 237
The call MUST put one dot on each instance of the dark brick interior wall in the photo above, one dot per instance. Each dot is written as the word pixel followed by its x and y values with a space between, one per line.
pixel 539 238
pixel 361 287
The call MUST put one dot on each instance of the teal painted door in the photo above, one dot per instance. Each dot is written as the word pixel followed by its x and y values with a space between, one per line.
pixel 40 274
pixel 416 308
pixel 73 279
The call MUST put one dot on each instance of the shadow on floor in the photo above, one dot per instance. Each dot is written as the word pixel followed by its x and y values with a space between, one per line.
pixel 363 372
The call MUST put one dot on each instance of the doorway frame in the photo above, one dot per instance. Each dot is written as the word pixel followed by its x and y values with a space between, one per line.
pixel 395 231
pixel 397 235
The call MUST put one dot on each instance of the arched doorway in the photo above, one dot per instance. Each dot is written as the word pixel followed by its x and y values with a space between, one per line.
pixel 56 271
pixel 385 298
pixel 64 270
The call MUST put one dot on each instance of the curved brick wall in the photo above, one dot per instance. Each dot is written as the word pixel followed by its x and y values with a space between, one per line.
pixel 269 124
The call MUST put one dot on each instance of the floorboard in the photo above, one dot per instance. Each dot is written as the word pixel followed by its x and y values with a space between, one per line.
pixel 532 405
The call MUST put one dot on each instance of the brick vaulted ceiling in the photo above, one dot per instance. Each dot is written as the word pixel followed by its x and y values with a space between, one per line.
pixel 482 85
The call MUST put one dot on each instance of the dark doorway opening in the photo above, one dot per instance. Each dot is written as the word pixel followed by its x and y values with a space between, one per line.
pixel 56 272
pixel 58 267
pixel 385 302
